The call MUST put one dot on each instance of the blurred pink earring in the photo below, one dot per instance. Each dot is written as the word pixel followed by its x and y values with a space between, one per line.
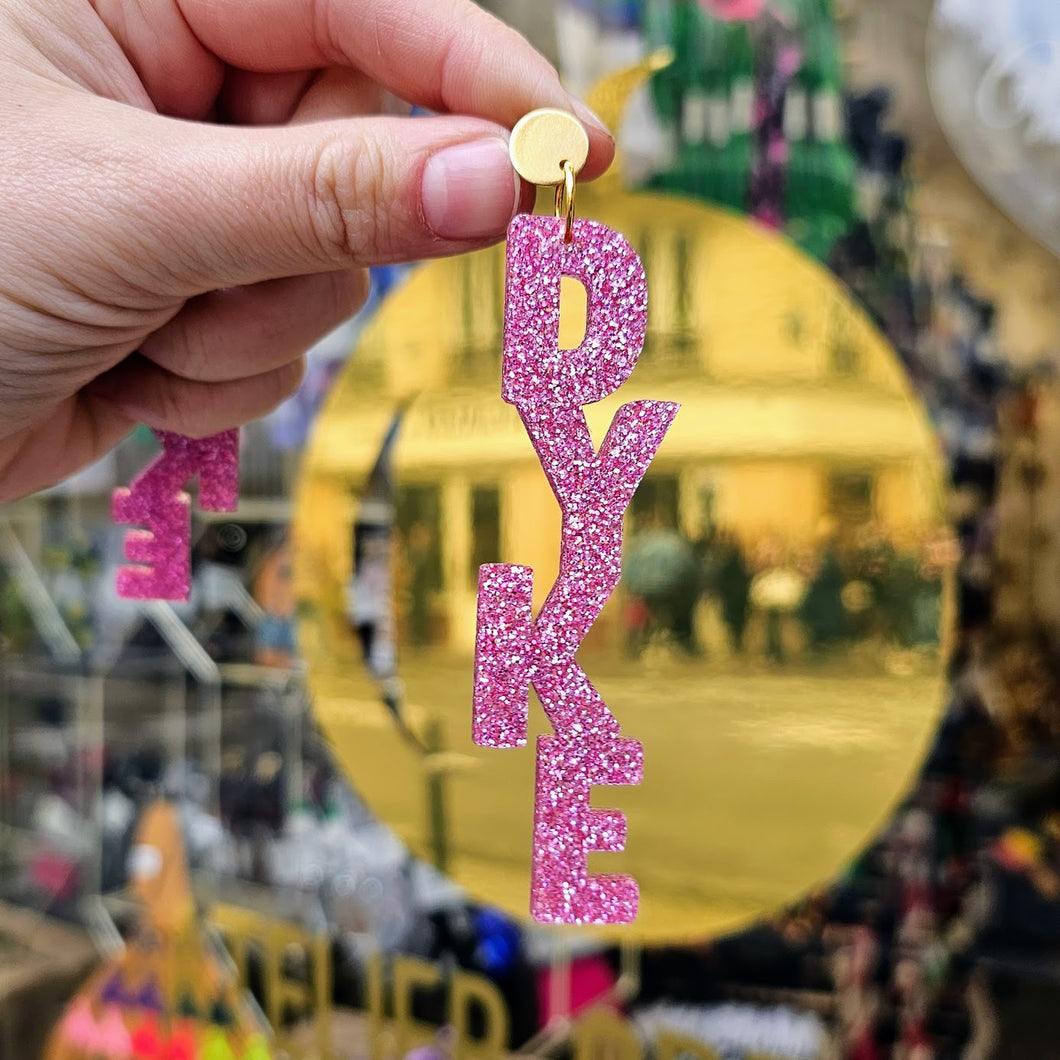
pixel 155 500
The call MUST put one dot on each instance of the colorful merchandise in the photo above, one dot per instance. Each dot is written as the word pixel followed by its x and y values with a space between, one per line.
pixel 149 1003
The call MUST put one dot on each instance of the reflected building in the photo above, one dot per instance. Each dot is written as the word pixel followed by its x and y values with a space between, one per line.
pixel 796 422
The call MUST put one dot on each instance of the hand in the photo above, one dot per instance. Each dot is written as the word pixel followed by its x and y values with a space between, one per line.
pixel 191 191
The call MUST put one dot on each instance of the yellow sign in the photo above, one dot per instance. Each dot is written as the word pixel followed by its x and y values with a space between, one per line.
pixel 296 976
pixel 777 641
pixel 296 973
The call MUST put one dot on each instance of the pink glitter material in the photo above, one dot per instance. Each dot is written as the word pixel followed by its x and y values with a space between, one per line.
pixel 567 829
pixel 535 370
pixel 513 649
pixel 156 500
pixel 503 655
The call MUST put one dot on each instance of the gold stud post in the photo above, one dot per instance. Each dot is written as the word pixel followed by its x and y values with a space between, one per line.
pixel 565 202
pixel 549 148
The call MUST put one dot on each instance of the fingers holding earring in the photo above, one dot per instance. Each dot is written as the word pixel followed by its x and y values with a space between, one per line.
pixel 148 394
pixel 228 335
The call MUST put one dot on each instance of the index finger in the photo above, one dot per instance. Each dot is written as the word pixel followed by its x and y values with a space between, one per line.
pixel 445 55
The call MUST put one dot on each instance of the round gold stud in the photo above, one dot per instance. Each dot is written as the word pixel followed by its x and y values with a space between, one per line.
pixel 542 141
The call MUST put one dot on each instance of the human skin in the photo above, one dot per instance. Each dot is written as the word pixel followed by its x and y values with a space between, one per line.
pixel 191 192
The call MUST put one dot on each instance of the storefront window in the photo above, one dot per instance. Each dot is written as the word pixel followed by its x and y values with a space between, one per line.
pixel 255 823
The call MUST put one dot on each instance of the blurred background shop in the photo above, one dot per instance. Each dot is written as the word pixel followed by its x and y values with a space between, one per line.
pixel 836 633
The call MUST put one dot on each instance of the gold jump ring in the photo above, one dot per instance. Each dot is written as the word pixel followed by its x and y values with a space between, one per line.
pixel 565 201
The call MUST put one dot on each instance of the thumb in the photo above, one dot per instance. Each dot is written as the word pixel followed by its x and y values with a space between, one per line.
pixel 238 206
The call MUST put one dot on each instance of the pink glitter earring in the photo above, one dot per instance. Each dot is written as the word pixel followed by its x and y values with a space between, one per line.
pixel 515 650
pixel 156 501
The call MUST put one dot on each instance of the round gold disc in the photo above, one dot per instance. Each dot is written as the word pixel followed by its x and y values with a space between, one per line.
pixel 778 637
pixel 543 140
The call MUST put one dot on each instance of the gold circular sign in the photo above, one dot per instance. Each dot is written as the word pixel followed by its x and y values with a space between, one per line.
pixel 776 640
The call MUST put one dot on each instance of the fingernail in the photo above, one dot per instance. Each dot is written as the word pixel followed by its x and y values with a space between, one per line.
pixel 470 190
pixel 589 117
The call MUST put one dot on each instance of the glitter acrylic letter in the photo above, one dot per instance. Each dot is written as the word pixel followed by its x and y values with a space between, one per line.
pixel 549 386
pixel 156 500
